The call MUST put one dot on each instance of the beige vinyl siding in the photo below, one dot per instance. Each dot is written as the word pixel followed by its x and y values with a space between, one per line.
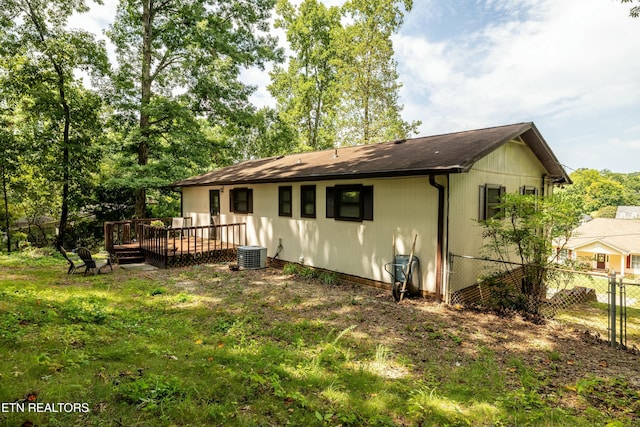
pixel 512 166
pixel 404 206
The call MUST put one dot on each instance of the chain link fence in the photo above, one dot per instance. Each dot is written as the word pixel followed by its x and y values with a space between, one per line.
pixel 605 305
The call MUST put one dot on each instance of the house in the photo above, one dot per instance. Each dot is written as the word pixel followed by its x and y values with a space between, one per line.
pixel 606 244
pixel 340 209
pixel 628 212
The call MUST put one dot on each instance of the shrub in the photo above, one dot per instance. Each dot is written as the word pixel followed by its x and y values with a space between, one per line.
pixel 290 268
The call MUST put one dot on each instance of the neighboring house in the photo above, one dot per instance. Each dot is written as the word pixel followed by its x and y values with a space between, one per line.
pixel 606 244
pixel 339 209
pixel 628 212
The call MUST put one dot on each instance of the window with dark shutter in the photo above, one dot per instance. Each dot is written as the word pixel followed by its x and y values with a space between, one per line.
pixel 350 202
pixel 528 191
pixel 490 198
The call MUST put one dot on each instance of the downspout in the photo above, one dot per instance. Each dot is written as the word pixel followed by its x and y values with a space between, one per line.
pixel 440 188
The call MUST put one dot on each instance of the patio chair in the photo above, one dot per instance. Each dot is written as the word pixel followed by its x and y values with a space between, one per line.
pixel 85 255
pixel 72 265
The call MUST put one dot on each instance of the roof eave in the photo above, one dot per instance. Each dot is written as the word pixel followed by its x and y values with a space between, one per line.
pixel 328 177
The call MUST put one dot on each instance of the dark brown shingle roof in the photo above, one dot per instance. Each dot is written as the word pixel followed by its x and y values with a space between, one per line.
pixel 440 154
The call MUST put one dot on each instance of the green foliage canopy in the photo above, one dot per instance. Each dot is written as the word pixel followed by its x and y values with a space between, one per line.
pixel 525 233
pixel 179 61
pixel 57 119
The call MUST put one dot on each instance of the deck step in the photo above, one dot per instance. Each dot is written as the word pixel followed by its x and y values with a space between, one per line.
pixel 129 256
pixel 130 260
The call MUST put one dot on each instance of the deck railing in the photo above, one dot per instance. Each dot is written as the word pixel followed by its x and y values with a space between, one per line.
pixel 125 232
pixel 165 247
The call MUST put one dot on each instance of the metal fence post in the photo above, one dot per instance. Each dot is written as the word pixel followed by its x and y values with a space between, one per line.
pixel 612 309
pixel 623 314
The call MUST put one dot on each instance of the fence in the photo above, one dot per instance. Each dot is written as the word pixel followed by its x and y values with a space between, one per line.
pixel 178 247
pixel 606 305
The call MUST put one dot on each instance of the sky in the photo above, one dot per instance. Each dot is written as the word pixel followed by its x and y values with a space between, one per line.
pixel 572 67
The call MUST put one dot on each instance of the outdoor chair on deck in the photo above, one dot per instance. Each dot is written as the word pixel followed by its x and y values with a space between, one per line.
pixel 72 264
pixel 85 255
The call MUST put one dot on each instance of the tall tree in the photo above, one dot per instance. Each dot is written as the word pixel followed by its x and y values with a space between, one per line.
pixel 370 110
pixel 306 92
pixel 593 190
pixel 55 104
pixel 178 60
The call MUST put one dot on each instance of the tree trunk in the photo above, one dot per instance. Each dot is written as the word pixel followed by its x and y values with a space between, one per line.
pixel 66 110
pixel 145 120
pixel 6 207
pixel 64 211
pixel 66 175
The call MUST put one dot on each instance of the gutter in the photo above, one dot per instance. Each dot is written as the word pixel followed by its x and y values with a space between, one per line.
pixel 440 188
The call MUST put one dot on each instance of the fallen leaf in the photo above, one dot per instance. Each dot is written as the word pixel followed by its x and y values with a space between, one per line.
pixel 199 342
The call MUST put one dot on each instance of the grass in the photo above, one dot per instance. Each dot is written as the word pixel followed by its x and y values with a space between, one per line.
pixel 595 315
pixel 201 346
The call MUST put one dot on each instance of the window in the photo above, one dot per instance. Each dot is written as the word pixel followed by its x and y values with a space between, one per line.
pixel 528 191
pixel 241 200
pixel 308 201
pixel 635 262
pixel 350 202
pixel 490 196
pixel 284 201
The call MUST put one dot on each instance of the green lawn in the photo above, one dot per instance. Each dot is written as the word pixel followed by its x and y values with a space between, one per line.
pixel 595 315
pixel 204 346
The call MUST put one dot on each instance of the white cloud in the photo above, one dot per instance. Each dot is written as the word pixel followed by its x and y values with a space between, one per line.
pixel 570 59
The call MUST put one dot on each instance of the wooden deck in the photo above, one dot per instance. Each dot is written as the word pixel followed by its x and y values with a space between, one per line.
pixel 176 247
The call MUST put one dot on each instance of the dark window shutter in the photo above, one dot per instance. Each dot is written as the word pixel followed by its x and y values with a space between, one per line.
pixel 482 208
pixel 628 261
pixel 232 207
pixel 330 203
pixel 367 197
pixel 250 200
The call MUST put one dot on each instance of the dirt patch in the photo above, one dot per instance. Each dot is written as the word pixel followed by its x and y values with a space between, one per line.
pixel 423 332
